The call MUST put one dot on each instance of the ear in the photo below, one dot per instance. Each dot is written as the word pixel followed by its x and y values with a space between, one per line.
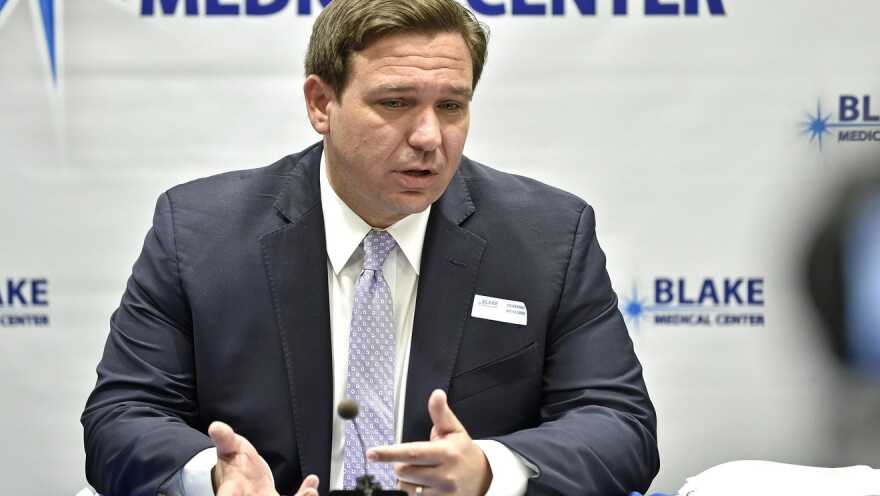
pixel 318 95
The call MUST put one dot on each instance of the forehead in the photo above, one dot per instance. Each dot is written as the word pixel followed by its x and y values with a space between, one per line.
pixel 413 58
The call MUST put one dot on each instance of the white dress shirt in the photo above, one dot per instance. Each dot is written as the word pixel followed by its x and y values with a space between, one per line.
pixel 344 231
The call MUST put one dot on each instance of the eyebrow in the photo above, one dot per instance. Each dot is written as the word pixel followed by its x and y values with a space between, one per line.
pixel 395 88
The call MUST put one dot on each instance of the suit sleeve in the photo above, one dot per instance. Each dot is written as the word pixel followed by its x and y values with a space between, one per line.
pixel 598 427
pixel 138 420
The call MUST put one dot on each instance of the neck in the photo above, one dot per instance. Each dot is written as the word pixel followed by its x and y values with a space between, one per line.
pixel 373 219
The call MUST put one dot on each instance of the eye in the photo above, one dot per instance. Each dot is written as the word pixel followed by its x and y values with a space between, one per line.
pixel 451 106
pixel 393 104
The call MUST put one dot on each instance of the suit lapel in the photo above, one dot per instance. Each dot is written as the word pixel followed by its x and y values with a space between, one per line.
pixel 450 263
pixel 295 260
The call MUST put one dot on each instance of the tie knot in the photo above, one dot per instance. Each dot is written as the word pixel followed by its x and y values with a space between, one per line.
pixel 377 246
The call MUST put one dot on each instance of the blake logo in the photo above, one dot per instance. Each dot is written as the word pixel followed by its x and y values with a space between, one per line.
pixel 856 122
pixel 705 302
pixel 23 302
pixel 45 9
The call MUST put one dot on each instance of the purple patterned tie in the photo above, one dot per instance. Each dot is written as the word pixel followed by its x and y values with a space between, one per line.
pixel 371 363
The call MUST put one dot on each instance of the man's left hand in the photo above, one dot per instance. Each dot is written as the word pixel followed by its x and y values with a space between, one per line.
pixel 450 463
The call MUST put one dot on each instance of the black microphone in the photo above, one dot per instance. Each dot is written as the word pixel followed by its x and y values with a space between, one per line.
pixel 348 409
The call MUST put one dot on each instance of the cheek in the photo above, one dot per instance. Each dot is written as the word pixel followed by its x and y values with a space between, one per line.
pixel 356 125
pixel 371 130
pixel 453 142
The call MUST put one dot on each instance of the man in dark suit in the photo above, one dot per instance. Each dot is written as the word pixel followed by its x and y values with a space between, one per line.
pixel 380 264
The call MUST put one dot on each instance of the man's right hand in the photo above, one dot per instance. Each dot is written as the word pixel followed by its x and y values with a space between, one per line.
pixel 241 471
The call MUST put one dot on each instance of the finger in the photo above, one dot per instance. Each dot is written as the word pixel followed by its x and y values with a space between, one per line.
pixel 444 420
pixel 309 486
pixel 437 476
pixel 225 439
pixel 412 489
pixel 307 491
pixel 418 453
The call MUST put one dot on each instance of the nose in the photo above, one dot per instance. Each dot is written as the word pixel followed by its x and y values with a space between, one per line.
pixel 425 135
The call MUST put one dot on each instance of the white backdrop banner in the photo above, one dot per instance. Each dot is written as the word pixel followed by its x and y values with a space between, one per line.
pixel 708 135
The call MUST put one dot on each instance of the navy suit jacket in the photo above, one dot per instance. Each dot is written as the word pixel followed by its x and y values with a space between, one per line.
pixel 226 317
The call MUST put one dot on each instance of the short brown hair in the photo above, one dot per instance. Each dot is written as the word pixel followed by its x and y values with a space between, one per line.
pixel 347 26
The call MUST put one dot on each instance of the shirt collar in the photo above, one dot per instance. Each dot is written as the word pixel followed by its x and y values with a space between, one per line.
pixel 344 229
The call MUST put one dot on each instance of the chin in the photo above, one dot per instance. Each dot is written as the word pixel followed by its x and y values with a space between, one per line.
pixel 413 202
pixel 414 209
pixel 410 209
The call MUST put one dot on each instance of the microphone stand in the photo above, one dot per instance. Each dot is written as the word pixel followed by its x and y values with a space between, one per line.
pixel 365 485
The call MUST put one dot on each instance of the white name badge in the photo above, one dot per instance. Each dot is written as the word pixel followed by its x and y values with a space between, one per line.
pixel 489 308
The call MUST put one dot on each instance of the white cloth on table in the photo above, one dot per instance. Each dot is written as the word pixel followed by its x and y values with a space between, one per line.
pixel 764 478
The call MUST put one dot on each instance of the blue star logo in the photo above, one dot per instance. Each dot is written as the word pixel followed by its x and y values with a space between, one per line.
pixel 817 125
pixel 47 14
pixel 634 307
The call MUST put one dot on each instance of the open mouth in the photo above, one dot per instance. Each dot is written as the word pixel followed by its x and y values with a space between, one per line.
pixel 417 173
